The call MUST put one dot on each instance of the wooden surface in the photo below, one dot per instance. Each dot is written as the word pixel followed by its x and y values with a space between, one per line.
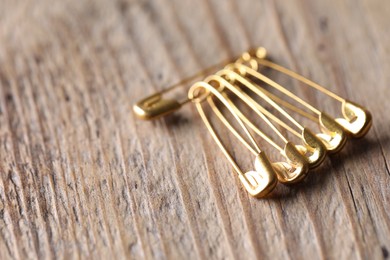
pixel 82 178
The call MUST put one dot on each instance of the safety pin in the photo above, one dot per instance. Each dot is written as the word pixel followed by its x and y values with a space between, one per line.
pixel 313 149
pixel 241 73
pixel 357 119
pixel 156 106
pixel 296 168
pixel 263 179
pixel 333 135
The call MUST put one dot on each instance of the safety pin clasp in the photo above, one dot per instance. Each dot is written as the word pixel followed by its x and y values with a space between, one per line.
pixel 155 106
pixel 333 136
pixel 313 149
pixel 357 120
pixel 263 180
pixel 293 171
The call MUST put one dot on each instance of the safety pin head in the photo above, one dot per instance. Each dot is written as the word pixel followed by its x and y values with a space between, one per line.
pixel 155 106
pixel 357 120
pixel 313 149
pixel 293 171
pixel 333 136
pixel 263 180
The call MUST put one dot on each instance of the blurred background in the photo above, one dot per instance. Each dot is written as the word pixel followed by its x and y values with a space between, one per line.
pixel 81 177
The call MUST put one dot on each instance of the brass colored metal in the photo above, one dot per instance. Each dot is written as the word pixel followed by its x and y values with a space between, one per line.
pixel 155 106
pixel 357 119
pixel 313 149
pixel 295 170
pixel 258 183
pixel 333 146
pixel 315 154
pixel 334 136
pixel 297 166
pixel 238 76
pixel 261 182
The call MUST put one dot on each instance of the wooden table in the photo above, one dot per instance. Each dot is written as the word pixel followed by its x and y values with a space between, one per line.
pixel 82 178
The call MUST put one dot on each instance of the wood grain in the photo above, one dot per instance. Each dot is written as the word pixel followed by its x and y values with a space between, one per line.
pixel 80 177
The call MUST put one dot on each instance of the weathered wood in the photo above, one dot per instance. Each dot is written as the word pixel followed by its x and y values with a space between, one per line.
pixel 82 178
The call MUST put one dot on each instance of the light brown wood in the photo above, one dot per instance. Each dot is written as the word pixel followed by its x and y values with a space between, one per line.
pixel 82 178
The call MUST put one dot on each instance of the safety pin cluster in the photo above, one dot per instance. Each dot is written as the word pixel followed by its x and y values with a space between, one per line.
pixel 238 80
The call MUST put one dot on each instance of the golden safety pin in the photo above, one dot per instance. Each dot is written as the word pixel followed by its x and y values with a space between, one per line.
pixel 313 149
pixel 357 119
pixel 258 183
pixel 333 135
pixel 156 106
pixel 296 168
